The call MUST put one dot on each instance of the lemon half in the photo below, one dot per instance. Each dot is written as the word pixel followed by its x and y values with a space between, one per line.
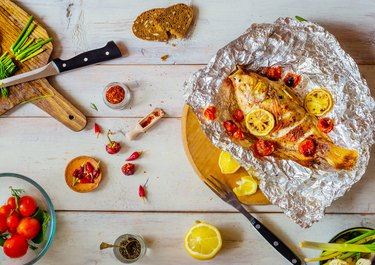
pixel 203 241
pixel 318 102
pixel 227 164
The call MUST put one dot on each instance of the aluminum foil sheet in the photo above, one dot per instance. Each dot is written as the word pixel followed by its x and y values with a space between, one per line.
pixel 309 50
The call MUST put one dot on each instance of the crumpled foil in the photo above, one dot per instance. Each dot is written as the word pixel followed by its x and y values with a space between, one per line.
pixel 307 49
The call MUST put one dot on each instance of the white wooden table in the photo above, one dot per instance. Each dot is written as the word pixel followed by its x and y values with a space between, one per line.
pixel 35 145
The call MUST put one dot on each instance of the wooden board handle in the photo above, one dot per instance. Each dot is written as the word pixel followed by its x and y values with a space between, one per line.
pixel 60 108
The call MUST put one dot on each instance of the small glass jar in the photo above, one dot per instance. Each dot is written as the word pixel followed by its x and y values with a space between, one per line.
pixel 114 103
pixel 122 241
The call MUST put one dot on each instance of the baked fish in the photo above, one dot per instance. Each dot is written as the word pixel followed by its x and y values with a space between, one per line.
pixel 281 125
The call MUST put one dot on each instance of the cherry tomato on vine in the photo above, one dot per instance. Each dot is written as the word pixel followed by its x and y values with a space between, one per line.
pixel 15 246
pixel 27 206
pixel 12 221
pixel 3 224
pixel 28 227
pixel 5 210
pixel 12 202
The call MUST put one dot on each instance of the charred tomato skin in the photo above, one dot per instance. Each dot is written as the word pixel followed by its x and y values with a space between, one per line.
pixel 238 115
pixel 230 127
pixel 307 147
pixel 264 148
pixel 325 125
pixel 210 113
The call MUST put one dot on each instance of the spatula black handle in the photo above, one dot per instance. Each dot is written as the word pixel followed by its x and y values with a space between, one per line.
pixel 108 52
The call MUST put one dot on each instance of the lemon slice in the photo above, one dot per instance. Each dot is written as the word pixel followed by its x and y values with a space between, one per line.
pixel 202 241
pixel 246 186
pixel 227 164
pixel 259 122
pixel 318 102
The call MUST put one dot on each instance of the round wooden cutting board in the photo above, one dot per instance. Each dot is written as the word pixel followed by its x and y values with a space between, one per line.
pixel 204 157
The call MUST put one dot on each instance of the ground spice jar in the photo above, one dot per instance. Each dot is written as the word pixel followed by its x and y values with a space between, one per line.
pixel 132 248
pixel 116 95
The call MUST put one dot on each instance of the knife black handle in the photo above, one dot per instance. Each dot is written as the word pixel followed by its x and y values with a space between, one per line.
pixel 108 52
pixel 276 242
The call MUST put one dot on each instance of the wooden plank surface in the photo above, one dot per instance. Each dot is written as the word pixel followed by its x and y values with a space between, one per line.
pixel 152 86
pixel 42 152
pixel 81 25
pixel 79 235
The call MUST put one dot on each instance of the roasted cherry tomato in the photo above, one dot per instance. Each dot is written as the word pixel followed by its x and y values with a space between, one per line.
pixel 230 127
pixel 238 115
pixel 325 125
pixel 3 224
pixel 238 134
pixel 209 113
pixel 15 246
pixel 307 147
pixel 27 206
pixel 12 221
pixel 5 210
pixel 264 148
pixel 29 227
pixel 273 73
pixel 12 202
pixel 292 80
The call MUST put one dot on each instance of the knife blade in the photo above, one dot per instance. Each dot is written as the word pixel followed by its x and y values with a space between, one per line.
pixel 108 52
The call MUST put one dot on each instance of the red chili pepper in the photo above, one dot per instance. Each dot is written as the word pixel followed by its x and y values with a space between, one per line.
pixel 97 129
pixel 128 169
pixel 142 190
pixel 134 156
pixel 113 147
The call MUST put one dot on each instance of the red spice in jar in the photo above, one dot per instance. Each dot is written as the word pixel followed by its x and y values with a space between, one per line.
pixel 115 94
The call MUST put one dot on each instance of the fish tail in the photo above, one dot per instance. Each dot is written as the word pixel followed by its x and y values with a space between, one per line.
pixel 341 158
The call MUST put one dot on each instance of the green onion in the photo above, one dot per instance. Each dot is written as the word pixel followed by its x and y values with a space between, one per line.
pixel 36 98
pixel 24 47
pixel 368 248
pixel 7 68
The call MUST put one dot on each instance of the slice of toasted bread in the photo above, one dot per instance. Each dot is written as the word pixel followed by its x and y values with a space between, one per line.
pixel 144 27
pixel 175 19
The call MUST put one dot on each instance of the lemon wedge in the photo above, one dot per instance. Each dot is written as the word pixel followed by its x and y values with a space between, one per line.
pixel 259 122
pixel 202 241
pixel 318 102
pixel 246 186
pixel 227 164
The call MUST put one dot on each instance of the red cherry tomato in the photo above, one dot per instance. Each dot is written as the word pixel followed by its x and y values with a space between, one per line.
pixel 12 202
pixel 27 206
pixel 28 227
pixel 238 115
pixel 12 221
pixel 15 246
pixel 238 134
pixel 264 148
pixel 3 224
pixel 307 147
pixel 209 113
pixel 325 125
pixel 230 127
pixel 5 210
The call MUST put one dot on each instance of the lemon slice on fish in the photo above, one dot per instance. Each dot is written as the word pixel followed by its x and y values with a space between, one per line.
pixel 318 102
pixel 227 164
pixel 246 186
pixel 259 122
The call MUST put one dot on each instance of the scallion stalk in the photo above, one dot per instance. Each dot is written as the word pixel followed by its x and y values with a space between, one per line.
pixel 368 248
pixel 21 34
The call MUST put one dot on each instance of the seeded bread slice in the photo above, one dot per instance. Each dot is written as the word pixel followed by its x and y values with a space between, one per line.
pixel 144 27
pixel 175 19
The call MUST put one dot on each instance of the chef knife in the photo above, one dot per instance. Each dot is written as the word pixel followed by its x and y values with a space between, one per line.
pixel 57 66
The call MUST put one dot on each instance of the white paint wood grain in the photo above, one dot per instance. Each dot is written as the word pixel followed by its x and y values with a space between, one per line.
pixel 80 25
pixel 79 235
pixel 152 86
pixel 39 148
